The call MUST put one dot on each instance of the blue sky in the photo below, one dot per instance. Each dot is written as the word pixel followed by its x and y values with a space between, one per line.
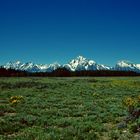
pixel 46 31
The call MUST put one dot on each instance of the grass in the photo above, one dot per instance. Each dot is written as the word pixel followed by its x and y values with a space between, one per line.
pixel 66 108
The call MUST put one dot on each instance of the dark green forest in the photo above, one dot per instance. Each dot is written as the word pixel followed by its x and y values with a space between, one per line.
pixel 62 72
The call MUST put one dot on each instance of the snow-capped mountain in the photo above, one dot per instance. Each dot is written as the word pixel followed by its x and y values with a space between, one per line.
pixel 127 66
pixel 77 64
pixel 31 67
pixel 22 66
pixel 81 63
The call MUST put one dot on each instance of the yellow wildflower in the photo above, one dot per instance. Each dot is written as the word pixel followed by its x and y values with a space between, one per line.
pixel 128 101
pixel 15 99
pixel 139 98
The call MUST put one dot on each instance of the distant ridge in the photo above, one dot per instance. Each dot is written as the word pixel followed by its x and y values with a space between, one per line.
pixel 78 64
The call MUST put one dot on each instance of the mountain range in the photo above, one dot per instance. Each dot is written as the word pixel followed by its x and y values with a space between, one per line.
pixel 78 64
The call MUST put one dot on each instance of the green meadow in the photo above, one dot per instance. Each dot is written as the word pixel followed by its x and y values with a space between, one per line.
pixel 67 108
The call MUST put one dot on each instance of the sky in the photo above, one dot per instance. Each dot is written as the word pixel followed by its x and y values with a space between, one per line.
pixel 47 31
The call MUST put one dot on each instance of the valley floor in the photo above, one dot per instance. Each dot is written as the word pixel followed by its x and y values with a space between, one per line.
pixel 66 108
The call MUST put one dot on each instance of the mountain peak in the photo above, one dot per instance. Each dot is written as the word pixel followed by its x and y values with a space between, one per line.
pixel 78 64
pixel 127 66
pixel 17 62
pixel 124 62
pixel 80 57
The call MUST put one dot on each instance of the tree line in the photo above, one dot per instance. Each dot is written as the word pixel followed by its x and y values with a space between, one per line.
pixel 63 72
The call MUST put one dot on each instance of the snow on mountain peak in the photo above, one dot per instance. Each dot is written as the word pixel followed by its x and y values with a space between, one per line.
pixel 81 63
pixel 77 64
pixel 17 62
pixel 124 63
pixel 127 66
pixel 81 58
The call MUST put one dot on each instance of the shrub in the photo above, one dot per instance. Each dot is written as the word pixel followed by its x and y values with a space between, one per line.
pixel 134 113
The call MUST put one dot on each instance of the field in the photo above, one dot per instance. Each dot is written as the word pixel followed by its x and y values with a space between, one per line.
pixel 66 108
